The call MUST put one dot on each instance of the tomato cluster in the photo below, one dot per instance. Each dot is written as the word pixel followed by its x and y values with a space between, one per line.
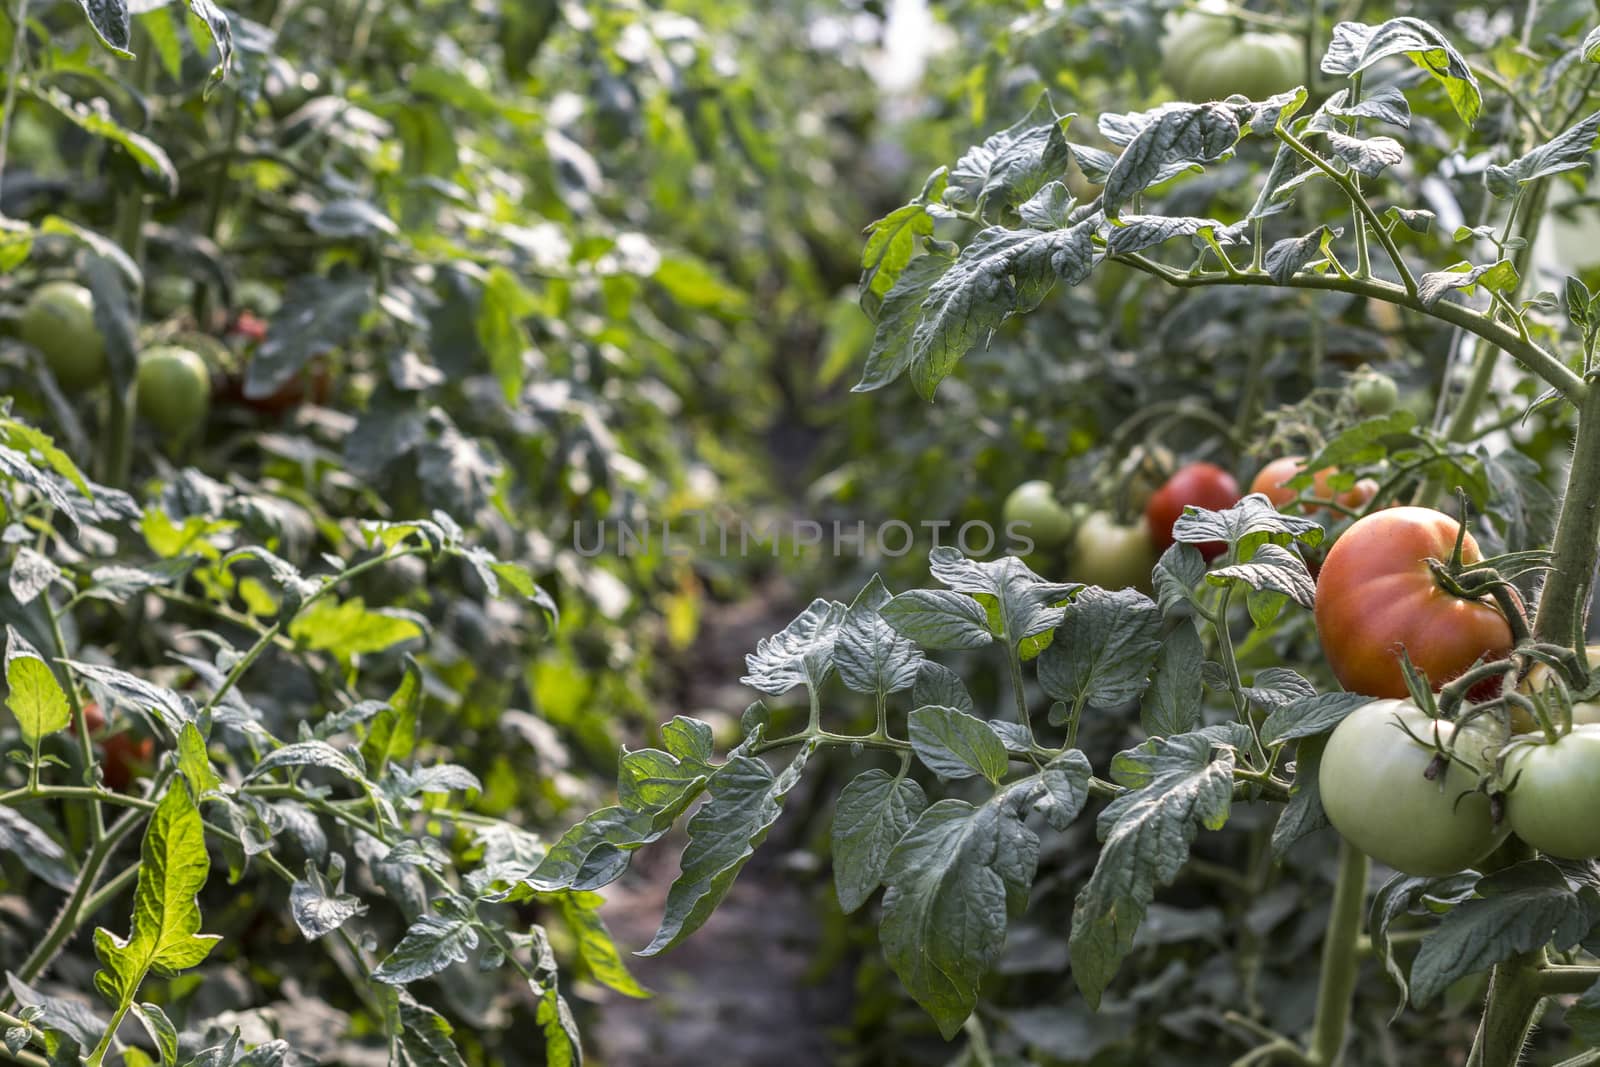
pixel 1204 56
pixel 174 384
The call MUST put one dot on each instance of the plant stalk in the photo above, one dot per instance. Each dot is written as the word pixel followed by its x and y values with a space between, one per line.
pixel 1340 959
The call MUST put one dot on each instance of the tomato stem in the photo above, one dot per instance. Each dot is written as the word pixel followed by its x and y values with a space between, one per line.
pixel 1337 985
pixel 1563 602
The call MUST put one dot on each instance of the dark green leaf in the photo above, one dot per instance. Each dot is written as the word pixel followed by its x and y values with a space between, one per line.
pixel 1172 701
pixel 950 884
pixel 743 801
pixel 1517 910
pixel 953 744
pixel 873 813
pixel 1104 649
pixel 1179 785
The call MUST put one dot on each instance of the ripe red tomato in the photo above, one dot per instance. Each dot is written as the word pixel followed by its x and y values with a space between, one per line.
pixel 1205 485
pixel 1376 594
pixel 1269 482
pixel 248 326
pixel 123 756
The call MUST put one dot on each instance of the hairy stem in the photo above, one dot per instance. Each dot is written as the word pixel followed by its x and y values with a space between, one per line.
pixel 19 38
pixel 1531 354
pixel 1336 989
pixel 1564 600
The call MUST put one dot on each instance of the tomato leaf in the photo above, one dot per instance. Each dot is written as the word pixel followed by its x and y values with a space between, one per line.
pixel 165 935
pixel 872 814
pixel 1105 646
pixel 800 654
pixel 1568 150
pixel 744 799
pixel 1174 136
pixel 950 884
pixel 429 946
pixel 35 696
pixel 1410 894
pixel 1013 164
pixel 939 619
pixel 1309 715
pixel 955 745
pixel 938 684
pixel 1516 910
pixel 1250 524
pixel 1171 703
pixel 1271 569
pixel 597 950
pixel 319 903
pixel 1179 784
pixel 870 656
pixel 1356 46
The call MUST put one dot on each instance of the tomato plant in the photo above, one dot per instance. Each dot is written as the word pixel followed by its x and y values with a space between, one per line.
pixel 531 338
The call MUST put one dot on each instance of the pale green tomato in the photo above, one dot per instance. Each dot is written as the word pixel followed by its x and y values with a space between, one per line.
pixel 1110 555
pixel 1033 507
pixel 1373 789
pixel 59 322
pixel 1555 793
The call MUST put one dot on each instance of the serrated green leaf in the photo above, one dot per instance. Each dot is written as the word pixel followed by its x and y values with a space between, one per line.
pixel 597 950
pixel 1517 909
pixel 1180 784
pixel 1105 646
pixel 743 801
pixel 950 884
pixel 872 814
pixel 34 696
pixel 194 762
pixel 870 656
pixel 349 628
pixel 953 744
pixel 165 934
pixel 429 946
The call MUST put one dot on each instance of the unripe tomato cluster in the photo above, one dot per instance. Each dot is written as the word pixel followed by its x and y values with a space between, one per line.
pixel 174 384
pixel 1206 56
pixel 1383 782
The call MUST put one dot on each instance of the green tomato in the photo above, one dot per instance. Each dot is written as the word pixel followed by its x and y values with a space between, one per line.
pixel 174 389
pixel 1555 792
pixel 168 294
pixel 257 296
pixel 1204 57
pixel 1188 37
pixel 1113 556
pixel 1254 65
pixel 59 322
pixel 1375 394
pixel 1375 794
pixel 1032 507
